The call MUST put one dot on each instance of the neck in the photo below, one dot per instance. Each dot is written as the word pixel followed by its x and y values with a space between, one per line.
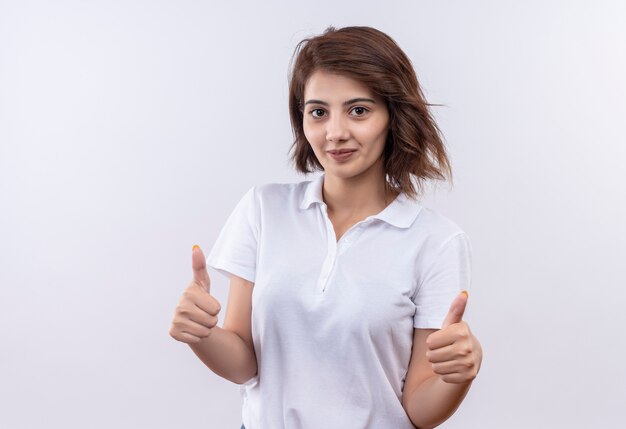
pixel 364 194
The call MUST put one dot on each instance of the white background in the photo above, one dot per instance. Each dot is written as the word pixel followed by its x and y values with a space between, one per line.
pixel 129 130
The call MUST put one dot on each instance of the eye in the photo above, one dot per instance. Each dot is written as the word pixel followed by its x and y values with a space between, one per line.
pixel 317 113
pixel 359 110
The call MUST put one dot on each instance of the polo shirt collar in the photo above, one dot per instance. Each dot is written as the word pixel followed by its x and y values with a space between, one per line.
pixel 400 213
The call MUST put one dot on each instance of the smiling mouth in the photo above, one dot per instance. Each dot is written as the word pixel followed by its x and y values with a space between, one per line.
pixel 340 151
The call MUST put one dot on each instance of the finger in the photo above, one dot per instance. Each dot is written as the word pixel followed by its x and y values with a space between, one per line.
pixel 208 304
pixel 455 378
pixel 450 367
pixel 203 318
pixel 457 308
pixel 198 264
pixel 196 329
pixel 458 334
pixel 187 338
pixel 439 339
pixel 443 354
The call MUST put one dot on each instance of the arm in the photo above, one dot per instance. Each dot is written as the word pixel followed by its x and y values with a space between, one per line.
pixel 229 351
pixel 439 375
pixel 428 400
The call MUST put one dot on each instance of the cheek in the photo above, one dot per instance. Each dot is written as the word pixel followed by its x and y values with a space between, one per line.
pixel 373 133
pixel 312 133
pixel 383 130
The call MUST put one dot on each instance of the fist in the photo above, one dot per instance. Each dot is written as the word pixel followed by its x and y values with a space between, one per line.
pixel 196 313
pixel 454 352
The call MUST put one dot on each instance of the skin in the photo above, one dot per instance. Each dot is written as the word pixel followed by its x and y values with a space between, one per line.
pixel 443 362
pixel 353 189
pixel 228 351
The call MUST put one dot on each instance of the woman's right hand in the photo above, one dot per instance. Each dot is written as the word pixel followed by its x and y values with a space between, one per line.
pixel 196 313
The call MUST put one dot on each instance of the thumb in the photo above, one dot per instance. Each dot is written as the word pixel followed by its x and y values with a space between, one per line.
pixel 198 263
pixel 455 315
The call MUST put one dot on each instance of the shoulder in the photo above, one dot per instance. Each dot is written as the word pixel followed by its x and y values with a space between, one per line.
pixel 277 190
pixel 279 194
pixel 437 229
pixel 444 248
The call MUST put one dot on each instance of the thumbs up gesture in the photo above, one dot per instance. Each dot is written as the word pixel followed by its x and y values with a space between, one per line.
pixel 453 351
pixel 196 313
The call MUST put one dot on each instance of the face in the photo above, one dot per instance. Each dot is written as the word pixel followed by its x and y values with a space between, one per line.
pixel 342 114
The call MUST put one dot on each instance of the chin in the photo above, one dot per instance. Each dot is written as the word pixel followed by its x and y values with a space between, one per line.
pixel 343 173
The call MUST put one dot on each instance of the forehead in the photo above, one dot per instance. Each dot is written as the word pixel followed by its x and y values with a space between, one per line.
pixel 328 86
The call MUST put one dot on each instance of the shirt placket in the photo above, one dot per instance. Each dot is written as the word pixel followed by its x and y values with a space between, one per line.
pixel 334 249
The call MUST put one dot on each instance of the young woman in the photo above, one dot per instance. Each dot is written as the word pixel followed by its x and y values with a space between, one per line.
pixel 346 295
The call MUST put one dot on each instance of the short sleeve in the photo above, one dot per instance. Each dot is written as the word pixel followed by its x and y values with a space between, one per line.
pixel 235 250
pixel 448 274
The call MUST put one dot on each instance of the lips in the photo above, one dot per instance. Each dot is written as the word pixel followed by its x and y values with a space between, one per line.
pixel 340 151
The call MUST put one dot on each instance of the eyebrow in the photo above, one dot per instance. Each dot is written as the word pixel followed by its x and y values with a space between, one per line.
pixel 345 103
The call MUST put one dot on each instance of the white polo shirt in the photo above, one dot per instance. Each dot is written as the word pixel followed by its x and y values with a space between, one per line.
pixel 332 322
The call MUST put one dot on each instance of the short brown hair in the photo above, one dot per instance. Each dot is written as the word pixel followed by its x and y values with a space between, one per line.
pixel 414 145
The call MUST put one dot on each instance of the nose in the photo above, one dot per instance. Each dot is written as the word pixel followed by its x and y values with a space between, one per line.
pixel 337 129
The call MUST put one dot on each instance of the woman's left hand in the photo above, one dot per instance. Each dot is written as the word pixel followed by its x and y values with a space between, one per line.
pixel 454 352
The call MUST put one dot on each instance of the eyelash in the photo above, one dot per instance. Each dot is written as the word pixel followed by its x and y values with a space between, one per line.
pixel 365 110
